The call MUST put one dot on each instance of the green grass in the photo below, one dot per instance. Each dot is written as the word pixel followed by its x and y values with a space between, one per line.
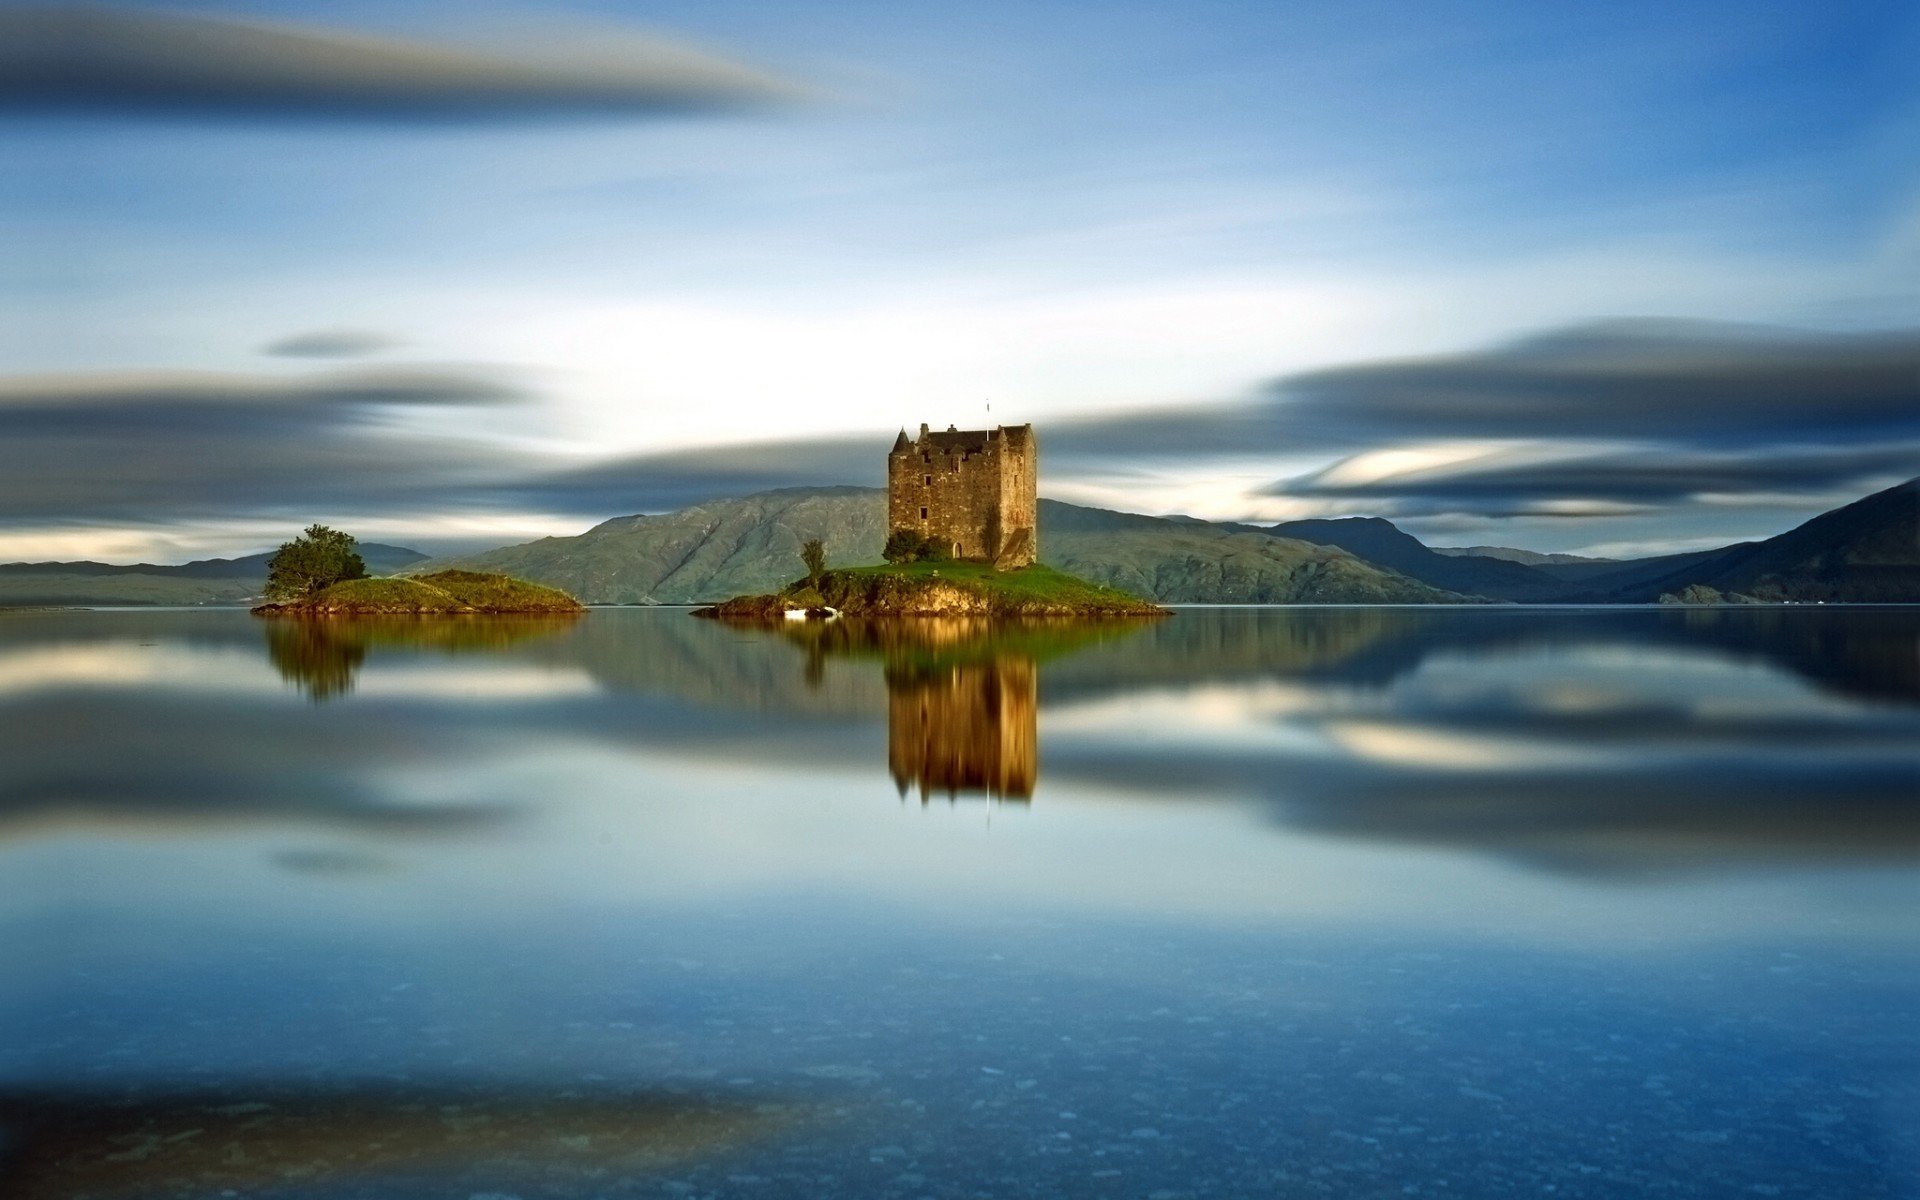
pixel 950 587
pixel 1036 583
pixel 443 592
pixel 499 593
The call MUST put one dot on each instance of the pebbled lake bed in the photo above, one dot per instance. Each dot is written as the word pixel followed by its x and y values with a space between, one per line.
pixel 1342 902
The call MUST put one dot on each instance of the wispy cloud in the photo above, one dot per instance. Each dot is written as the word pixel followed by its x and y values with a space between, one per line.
pixel 1525 481
pixel 1696 383
pixel 158 446
pixel 133 61
pixel 330 343
pixel 1584 420
pixel 674 479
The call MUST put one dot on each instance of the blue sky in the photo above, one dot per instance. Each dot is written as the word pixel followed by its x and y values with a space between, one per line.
pixel 1101 218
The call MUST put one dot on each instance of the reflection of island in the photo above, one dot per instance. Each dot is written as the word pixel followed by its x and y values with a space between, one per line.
pixel 323 656
pixel 962 693
pixel 126 1143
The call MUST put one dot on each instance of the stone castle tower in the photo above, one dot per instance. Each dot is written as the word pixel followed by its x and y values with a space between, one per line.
pixel 971 488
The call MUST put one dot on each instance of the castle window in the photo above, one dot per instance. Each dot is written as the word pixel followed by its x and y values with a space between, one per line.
pixel 923 514
pixel 926 480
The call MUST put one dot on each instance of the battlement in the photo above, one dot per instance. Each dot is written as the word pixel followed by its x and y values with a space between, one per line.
pixel 974 489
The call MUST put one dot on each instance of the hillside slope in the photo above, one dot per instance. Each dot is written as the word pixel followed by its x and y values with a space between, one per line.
pixel 1866 552
pixel 1193 562
pixel 1384 544
pixel 701 554
pixel 751 545
pixel 1526 558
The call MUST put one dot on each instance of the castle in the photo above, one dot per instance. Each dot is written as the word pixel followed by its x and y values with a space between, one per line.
pixel 973 489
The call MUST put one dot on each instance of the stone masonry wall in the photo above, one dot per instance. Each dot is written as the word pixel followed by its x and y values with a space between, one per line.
pixel 973 489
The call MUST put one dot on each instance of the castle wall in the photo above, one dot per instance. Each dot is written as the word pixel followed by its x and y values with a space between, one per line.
pixel 973 489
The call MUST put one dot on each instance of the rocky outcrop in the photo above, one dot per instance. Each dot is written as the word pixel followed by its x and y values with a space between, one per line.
pixel 946 590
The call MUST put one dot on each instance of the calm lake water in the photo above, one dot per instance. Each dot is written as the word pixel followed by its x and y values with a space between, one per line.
pixel 1249 902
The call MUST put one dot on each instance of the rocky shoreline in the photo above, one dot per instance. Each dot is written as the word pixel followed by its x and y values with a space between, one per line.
pixel 951 589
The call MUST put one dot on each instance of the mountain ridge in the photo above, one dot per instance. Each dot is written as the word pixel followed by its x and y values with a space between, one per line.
pixel 1866 551
pixel 748 545
pixel 202 581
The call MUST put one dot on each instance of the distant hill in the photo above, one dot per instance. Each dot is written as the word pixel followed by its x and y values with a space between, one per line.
pixel 1527 558
pixel 1865 552
pixel 1193 562
pixel 203 581
pixel 1384 544
pixel 701 554
pixel 751 545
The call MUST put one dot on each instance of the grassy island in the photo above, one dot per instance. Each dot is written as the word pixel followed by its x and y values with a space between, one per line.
pixel 442 593
pixel 943 588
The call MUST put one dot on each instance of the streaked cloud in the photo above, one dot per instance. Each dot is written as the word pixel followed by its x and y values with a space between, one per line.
pixel 330 343
pixel 1599 421
pixel 1697 383
pixel 1521 482
pixel 675 479
pixel 1593 420
pixel 1693 382
pixel 133 61
pixel 155 446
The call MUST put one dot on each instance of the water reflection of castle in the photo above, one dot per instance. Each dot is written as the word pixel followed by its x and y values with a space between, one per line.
pixel 963 693
pixel 965 727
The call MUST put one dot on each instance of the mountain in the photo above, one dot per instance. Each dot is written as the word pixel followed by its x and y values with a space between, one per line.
pixel 1384 544
pixel 1193 562
pixel 203 581
pixel 1866 552
pixel 1526 558
pixel 704 553
pixel 752 544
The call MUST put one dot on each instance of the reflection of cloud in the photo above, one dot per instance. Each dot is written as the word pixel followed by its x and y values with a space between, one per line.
pixel 1634 814
pixel 330 343
pixel 337 861
pixel 176 761
pixel 129 61
pixel 1603 743
pixel 122 1145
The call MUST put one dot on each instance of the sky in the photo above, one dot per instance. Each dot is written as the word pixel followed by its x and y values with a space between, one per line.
pixel 1607 279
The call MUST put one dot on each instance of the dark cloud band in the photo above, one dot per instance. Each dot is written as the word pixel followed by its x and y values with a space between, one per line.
pixel 130 61
pixel 675 479
pixel 1621 414
pixel 1694 383
pixel 330 343
pixel 1646 475
pixel 174 446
